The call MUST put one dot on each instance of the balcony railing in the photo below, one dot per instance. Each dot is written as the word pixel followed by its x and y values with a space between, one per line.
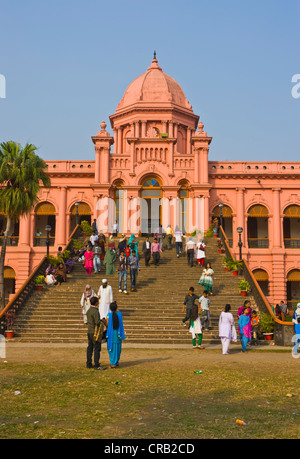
pixel 41 241
pixel 292 243
pixel 12 241
pixel 257 243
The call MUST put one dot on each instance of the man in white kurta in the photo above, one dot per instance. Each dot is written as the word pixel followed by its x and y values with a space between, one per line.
pixel 105 295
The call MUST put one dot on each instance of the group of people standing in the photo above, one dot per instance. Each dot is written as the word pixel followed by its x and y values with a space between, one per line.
pixel 198 312
pixel 100 310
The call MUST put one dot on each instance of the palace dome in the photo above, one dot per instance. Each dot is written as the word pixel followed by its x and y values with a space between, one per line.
pixel 154 87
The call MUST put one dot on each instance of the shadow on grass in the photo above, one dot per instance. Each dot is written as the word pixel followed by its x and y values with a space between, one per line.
pixel 133 363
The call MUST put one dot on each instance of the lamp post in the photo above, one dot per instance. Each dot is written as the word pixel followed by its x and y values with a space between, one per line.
pixel 240 244
pixel 77 214
pixel 221 205
pixel 48 229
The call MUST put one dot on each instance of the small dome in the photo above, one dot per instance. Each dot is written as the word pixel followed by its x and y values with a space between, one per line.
pixel 154 86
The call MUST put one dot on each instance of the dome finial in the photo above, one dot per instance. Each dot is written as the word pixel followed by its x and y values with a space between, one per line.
pixel 154 55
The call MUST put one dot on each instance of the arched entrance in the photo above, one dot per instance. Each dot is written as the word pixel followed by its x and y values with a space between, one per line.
pixel 44 215
pixel 291 227
pixel 262 279
pixel 151 217
pixel 79 211
pixel 226 220
pixel 293 288
pixel 257 226
pixel 9 282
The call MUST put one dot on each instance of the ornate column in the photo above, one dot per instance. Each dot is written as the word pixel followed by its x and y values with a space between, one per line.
pixel 25 230
pixel 61 228
pixel 175 130
pixel 97 164
pixel 144 125
pixel 206 212
pixel 277 231
pixel 188 141
pixel 116 135
pixel 196 166
pixel 102 142
pixel 119 150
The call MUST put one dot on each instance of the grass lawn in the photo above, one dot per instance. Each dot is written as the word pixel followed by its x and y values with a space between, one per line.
pixel 154 394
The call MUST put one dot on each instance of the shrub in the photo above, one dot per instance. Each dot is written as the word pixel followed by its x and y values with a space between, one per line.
pixel 39 280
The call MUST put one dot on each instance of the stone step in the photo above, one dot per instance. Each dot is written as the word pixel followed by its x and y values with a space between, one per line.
pixel 151 315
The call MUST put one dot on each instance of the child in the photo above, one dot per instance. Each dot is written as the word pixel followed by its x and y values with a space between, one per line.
pixel 254 323
pixel 205 307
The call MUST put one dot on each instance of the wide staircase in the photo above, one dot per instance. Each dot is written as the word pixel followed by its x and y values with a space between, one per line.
pixel 151 315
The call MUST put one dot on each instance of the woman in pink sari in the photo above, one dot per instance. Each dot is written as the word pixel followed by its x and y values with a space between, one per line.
pixel 88 260
pixel 241 312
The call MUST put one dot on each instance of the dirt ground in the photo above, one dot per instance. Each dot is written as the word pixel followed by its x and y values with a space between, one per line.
pixel 72 354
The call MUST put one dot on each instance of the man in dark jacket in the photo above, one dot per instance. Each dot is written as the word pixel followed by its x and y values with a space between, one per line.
pixel 93 319
pixel 188 303
pixel 147 251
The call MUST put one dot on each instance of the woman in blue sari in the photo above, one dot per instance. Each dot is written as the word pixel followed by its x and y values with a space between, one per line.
pixel 115 334
pixel 245 334
pixel 133 244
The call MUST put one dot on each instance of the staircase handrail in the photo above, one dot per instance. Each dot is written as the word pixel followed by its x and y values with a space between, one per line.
pixel 257 291
pixel 28 286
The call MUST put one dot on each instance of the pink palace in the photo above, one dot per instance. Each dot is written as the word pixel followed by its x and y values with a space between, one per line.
pixel 153 169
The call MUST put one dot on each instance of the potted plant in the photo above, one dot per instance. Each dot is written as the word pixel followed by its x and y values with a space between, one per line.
pixel 266 325
pixel 39 282
pixel 235 266
pixel 76 244
pixel 66 254
pixel 86 228
pixel 53 261
pixel 227 263
pixel 244 287
pixel 10 320
pixel 220 246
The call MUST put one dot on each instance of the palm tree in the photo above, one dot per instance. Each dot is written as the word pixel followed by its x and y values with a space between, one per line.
pixel 22 173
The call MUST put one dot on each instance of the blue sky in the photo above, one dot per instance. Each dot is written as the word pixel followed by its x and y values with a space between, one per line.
pixel 67 64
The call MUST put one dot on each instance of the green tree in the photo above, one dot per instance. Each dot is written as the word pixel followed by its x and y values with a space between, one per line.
pixel 22 174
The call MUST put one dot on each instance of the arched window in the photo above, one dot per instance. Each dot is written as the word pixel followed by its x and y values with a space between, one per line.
pixel 262 279
pixel 44 216
pixel 226 220
pixel 257 225
pixel 151 217
pixel 79 213
pixel 13 237
pixel 291 227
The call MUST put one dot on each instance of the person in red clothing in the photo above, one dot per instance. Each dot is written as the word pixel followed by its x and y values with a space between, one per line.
pixel 127 252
